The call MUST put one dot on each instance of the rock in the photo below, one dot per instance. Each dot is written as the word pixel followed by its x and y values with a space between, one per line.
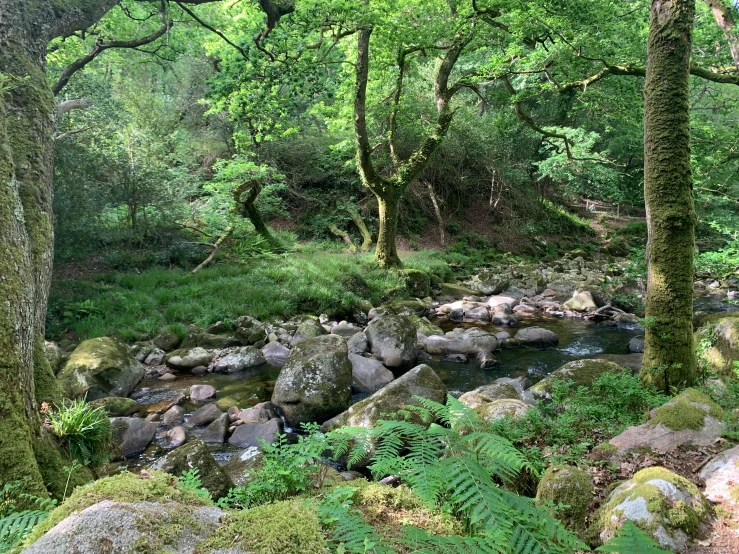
pixel 166 341
pixel 499 409
pixel 202 393
pixel 195 455
pixel 132 435
pixel 249 435
pixel 420 381
pixel 249 330
pixel 315 382
pixel 489 393
pixel 417 282
pixel 346 330
pixel 357 344
pixel 155 357
pixel 670 508
pixel 98 368
pixel 581 301
pixel 115 527
pixel 167 377
pixel 241 359
pixel 489 283
pixel 631 362
pixel 209 340
pixel 455 358
pixel 308 329
pixel 215 433
pixel 724 351
pixel 117 406
pixel 636 345
pixel 470 342
pixel 452 290
pixel 199 370
pixel 55 356
pixel 537 337
pixel 689 418
pixel 569 486
pixel 424 326
pixel 154 417
pixel 722 477
pixel 204 415
pixel 497 301
pixel 261 413
pixel 392 340
pixel 581 372
pixel 275 354
pixel 406 308
pixel 188 359
pixel 240 467
pixel 369 375
pixel 176 436
pixel 486 360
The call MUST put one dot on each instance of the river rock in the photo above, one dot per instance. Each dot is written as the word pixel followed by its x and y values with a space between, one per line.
pixel 424 326
pixel 204 416
pixel 195 455
pixel 346 330
pixel 486 359
pixel 670 508
pixel 98 368
pixel 174 416
pixel 536 337
pixel 261 413
pixel 357 344
pixel 215 433
pixel 689 418
pixel 176 436
pixel 275 354
pixel 241 359
pixel 308 329
pixel 636 345
pixel 495 302
pixel 249 330
pixel 453 290
pixel 368 374
pixel 721 476
pixel 499 409
pixel 581 301
pixel 406 308
pixel 392 340
pixel 132 434
pixel 155 357
pixel 459 341
pixel 188 359
pixel 420 381
pixel 202 393
pixel 315 382
pixel 249 435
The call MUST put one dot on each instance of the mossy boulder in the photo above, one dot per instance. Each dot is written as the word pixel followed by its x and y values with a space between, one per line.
pixel 489 393
pixel 424 326
pixel 417 282
pixel 420 381
pixel 668 507
pixel 195 455
pixel 167 341
pixel 392 340
pixel 581 301
pixel 405 308
pixel 308 329
pixel 582 373
pixel 98 368
pixel 117 406
pixel 188 358
pixel 285 527
pixel 689 418
pixel 499 409
pixel 454 291
pixel 569 486
pixel 316 381
pixel 724 348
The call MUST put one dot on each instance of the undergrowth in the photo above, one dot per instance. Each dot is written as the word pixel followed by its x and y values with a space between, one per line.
pixel 19 514
pixel 84 430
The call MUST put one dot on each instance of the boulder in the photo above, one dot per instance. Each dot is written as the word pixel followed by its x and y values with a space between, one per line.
pixel 392 340
pixel 357 344
pixel 275 354
pixel 424 326
pixel 580 372
pixel 669 507
pixel 117 406
pixel 216 432
pixel 261 413
pixel 195 455
pixel 308 329
pixel 369 375
pixel 204 416
pixel 405 308
pixel 453 290
pixel 315 382
pixel 98 368
pixel 570 487
pixel 536 337
pixel 499 409
pixel 489 393
pixel 249 435
pixel 723 353
pixel 167 341
pixel 55 356
pixel 420 381
pixel 202 393
pixel 417 282
pixel 174 416
pixel 581 301
pixel 689 418
pixel 132 435
pixel 636 345
pixel 345 330
pixel 486 359
pixel 721 476
pixel 188 359
pixel 459 341
pixel 249 330
pixel 496 302
pixel 155 357
pixel 241 359
pixel 240 467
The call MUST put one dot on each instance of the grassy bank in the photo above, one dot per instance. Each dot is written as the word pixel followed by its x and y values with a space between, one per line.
pixel 137 305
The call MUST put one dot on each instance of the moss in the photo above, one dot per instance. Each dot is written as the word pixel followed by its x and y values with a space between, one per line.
pixel 603 451
pixel 117 406
pixel 687 411
pixel 569 486
pixel 159 535
pixel 126 487
pixel 54 465
pixel 47 388
pixel 417 282
pixel 279 528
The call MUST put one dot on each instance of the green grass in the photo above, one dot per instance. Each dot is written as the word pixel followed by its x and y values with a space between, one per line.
pixel 84 429
pixel 136 306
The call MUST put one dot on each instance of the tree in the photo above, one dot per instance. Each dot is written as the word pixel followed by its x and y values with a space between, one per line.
pixel 669 354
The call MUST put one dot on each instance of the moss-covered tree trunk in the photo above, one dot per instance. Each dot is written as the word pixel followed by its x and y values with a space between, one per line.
pixel 669 355
pixel 386 253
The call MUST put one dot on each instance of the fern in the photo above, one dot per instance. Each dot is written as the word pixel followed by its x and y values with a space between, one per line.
pixel 630 539
pixel 190 481
pixel 15 523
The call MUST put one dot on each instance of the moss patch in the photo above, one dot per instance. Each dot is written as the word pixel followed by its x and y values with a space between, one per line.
pixel 687 411
pixel 569 486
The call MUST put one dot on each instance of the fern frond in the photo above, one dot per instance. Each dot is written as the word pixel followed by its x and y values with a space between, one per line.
pixel 630 539
pixel 419 541
pixel 15 526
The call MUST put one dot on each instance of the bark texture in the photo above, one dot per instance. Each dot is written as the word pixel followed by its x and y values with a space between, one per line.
pixel 669 355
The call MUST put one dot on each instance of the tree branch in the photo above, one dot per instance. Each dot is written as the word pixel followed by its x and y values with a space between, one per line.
pixel 70 133
pixel 725 20
pixel 69 105
pixel 212 29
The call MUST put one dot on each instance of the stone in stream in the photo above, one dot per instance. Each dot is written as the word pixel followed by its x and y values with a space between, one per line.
pixel 309 328
pixel 215 433
pixel 536 336
pixel 204 415
pixel 132 435
pixel 176 436
pixel 188 359
pixel 486 360
pixel 249 435
pixel 357 344
pixel 98 368
pixel 455 358
pixel 174 416
pixel 392 340
pixel 636 345
pixel 368 374
pixel 275 354
pixel 261 413
pixel 581 301
pixel 241 359
pixel 202 393
pixel 345 330
pixel 459 341
pixel 315 382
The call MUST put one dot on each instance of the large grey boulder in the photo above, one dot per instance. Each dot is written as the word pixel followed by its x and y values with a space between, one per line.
pixel 420 381
pixel 369 375
pixel 536 336
pixel 357 344
pixel 188 359
pixel 315 382
pixel 98 368
pixel 249 435
pixel 241 359
pixel 308 329
pixel 110 527
pixel 392 340
pixel 132 434
pixel 195 455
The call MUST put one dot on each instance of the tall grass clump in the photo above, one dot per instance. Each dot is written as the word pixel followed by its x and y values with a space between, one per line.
pixel 83 429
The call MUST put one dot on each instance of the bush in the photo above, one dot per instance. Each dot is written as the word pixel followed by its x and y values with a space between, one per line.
pixel 83 429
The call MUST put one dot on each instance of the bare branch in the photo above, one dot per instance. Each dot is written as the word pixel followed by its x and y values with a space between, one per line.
pixel 70 133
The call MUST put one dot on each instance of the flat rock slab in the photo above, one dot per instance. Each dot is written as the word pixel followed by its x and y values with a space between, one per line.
pixel 132 434
pixel 722 477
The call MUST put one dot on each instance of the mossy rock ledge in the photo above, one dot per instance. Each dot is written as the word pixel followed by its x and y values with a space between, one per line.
pixel 99 368
pixel 668 507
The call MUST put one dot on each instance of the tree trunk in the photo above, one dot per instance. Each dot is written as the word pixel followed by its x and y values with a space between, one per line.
pixel 669 355
pixel 386 253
